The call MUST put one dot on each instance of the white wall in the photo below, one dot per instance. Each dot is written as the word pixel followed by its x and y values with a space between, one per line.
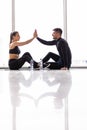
pixel 77 30
pixel 44 16
pixel 5 29
pixel 41 15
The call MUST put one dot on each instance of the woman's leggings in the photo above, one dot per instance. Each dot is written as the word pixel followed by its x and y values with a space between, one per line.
pixel 15 64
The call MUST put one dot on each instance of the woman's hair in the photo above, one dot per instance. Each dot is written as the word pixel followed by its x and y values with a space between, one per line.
pixel 12 34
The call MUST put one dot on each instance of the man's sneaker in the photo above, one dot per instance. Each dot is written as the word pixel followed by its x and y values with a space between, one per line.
pixel 46 66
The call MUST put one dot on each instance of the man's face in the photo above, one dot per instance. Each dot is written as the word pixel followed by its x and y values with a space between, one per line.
pixel 56 35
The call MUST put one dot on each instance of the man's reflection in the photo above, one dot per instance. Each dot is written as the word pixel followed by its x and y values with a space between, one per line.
pixel 64 81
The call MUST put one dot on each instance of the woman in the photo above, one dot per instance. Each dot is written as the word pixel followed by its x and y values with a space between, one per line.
pixel 15 62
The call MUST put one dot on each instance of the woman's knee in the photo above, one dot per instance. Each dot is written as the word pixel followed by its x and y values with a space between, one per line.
pixel 27 54
pixel 27 57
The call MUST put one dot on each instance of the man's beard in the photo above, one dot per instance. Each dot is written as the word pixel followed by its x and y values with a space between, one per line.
pixel 54 38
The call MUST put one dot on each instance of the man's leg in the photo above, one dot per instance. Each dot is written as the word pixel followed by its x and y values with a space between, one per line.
pixel 54 65
pixel 49 56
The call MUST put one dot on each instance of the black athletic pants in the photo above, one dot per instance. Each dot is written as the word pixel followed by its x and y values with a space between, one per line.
pixel 57 64
pixel 15 64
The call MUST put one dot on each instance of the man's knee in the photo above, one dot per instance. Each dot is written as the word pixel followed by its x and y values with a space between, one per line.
pixel 50 53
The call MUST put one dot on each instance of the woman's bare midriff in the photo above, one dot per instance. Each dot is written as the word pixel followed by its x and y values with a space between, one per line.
pixel 13 56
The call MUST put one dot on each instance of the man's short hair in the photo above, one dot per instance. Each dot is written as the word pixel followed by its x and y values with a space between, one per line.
pixel 59 30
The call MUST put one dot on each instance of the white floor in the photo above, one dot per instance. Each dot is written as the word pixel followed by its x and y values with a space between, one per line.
pixel 43 100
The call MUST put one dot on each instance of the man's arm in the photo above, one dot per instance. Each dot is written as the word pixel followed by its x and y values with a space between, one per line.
pixel 53 42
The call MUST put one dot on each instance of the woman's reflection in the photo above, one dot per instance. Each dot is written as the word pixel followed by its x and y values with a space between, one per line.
pixel 15 79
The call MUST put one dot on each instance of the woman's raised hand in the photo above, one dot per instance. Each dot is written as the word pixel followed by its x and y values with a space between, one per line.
pixel 35 34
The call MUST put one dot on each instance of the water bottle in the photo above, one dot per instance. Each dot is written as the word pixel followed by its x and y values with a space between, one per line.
pixel 41 64
pixel 32 64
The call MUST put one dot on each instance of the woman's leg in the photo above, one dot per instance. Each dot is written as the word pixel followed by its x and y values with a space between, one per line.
pixel 18 63
pixel 51 55
pixel 26 58
pixel 13 64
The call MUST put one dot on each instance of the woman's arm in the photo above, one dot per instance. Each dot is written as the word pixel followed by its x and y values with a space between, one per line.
pixel 25 42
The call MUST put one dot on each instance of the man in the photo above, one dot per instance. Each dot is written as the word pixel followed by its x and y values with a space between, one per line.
pixel 61 61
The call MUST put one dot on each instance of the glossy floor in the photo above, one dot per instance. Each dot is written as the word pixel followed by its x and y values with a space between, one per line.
pixel 43 100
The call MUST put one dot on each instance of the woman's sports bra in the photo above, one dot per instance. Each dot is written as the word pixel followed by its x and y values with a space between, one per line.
pixel 15 50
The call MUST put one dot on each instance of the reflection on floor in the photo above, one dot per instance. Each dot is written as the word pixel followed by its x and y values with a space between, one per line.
pixel 43 100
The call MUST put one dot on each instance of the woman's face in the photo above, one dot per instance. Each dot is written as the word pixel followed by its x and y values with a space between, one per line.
pixel 16 37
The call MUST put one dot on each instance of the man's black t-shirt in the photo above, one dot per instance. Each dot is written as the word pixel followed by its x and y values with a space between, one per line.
pixel 63 49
